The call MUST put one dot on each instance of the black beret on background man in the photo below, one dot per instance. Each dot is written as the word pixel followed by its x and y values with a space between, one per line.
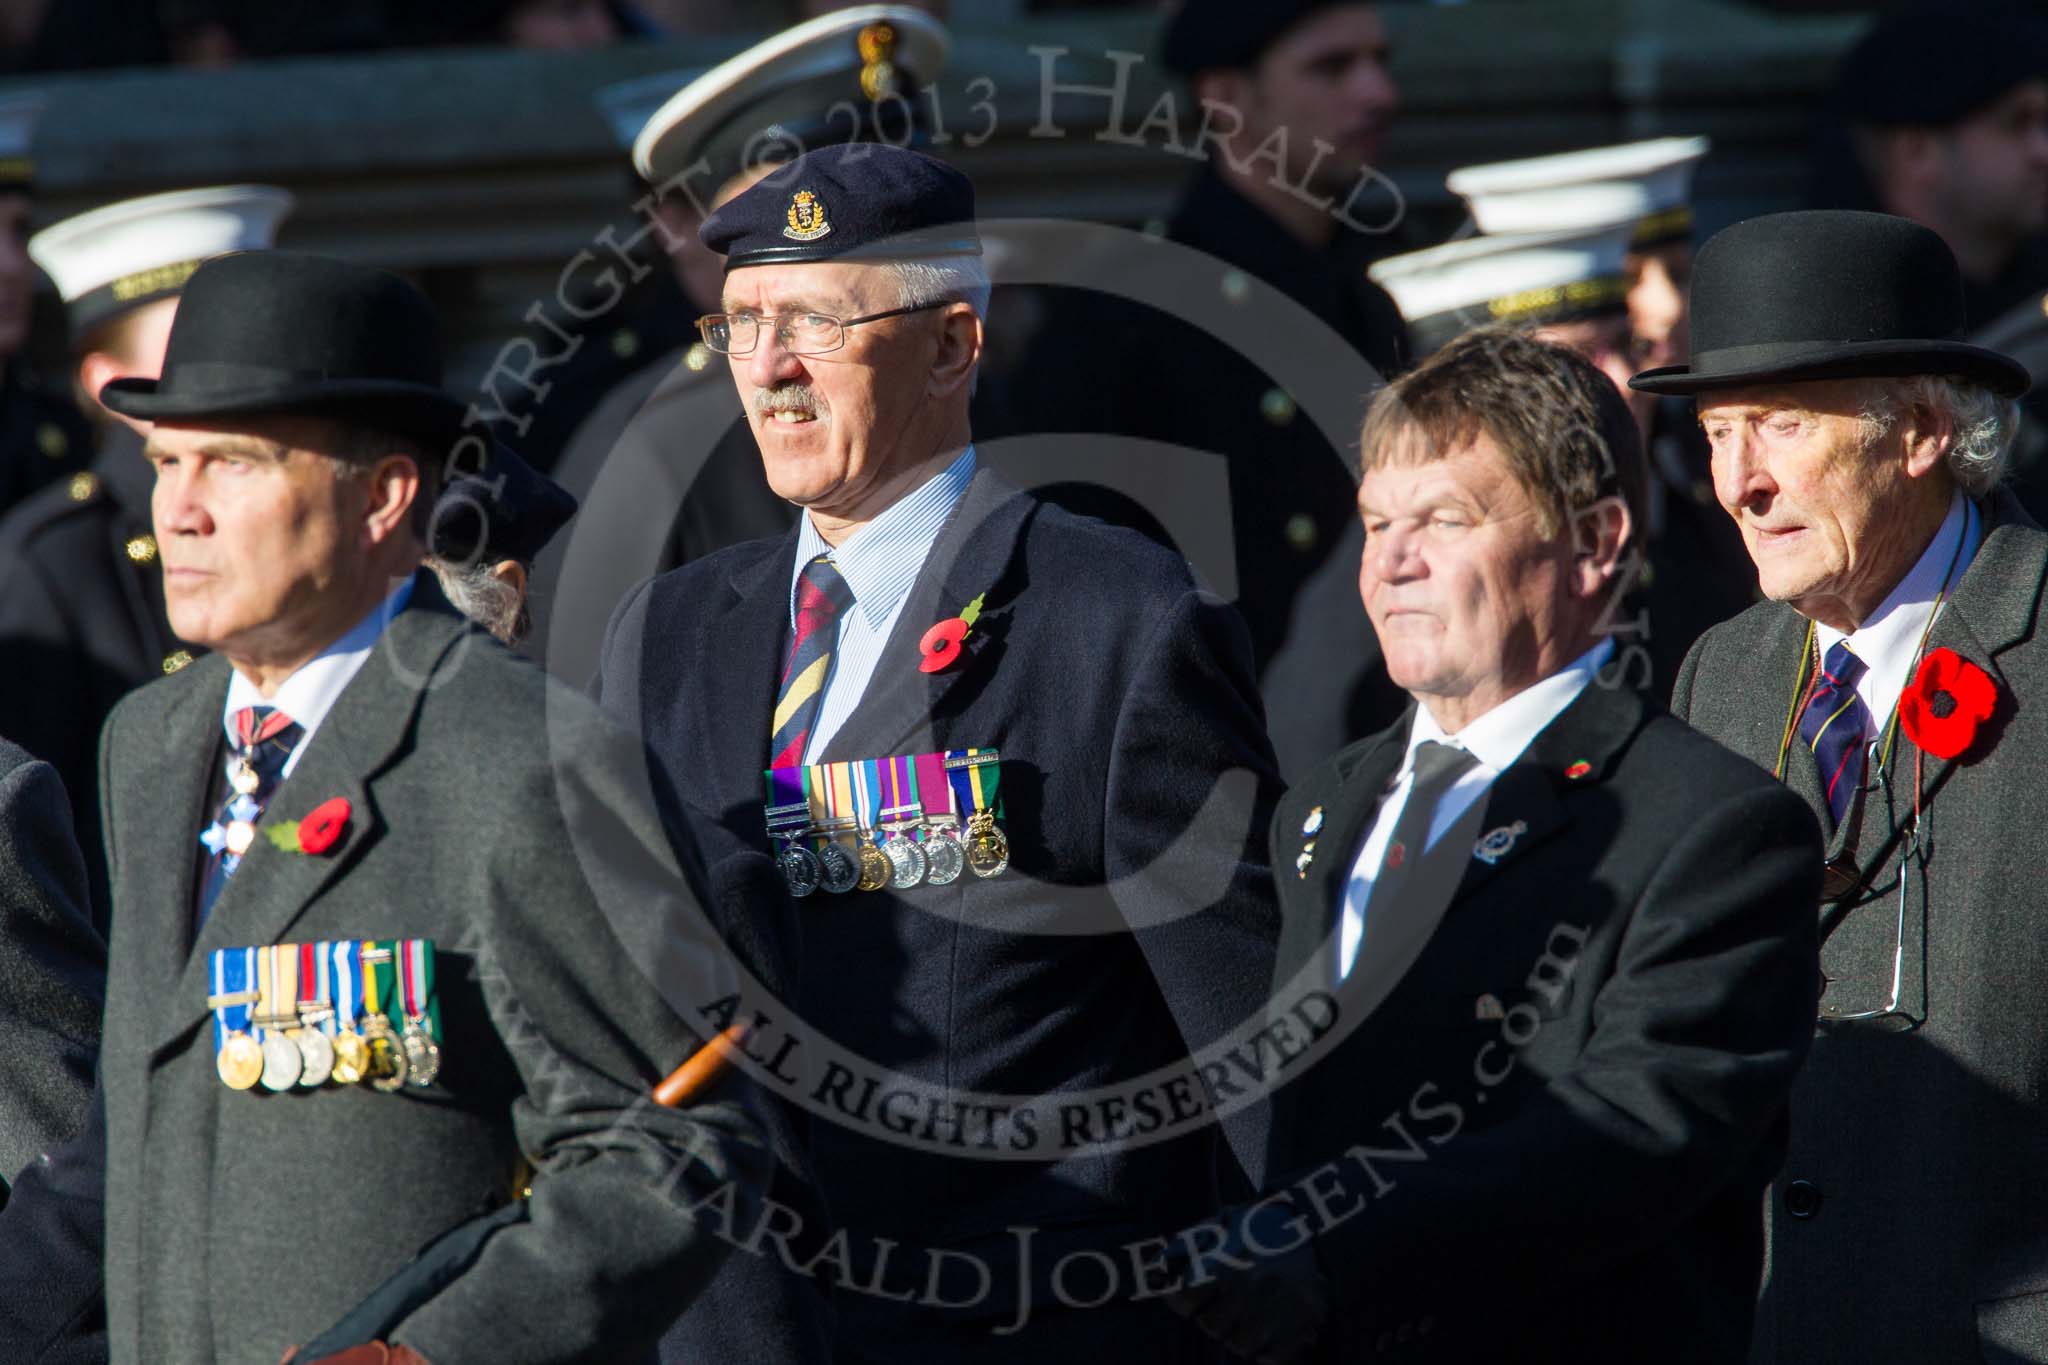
pixel 1573 930
pixel 359 766
pixel 1893 680
pixel 1309 77
pixel 1098 698
pixel 82 618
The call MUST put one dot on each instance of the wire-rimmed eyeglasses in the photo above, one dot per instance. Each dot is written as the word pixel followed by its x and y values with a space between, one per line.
pixel 1830 1014
pixel 797 333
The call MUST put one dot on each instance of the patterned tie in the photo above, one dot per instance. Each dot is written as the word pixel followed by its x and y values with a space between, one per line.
pixel 1437 769
pixel 265 738
pixel 1833 726
pixel 821 595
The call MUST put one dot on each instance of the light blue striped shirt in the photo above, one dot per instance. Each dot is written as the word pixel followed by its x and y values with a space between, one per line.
pixel 879 562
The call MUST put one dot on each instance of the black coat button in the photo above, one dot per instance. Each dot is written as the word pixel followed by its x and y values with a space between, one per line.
pixel 1802 1199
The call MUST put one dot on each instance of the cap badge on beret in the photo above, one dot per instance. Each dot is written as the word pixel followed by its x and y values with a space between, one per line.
pixel 878 79
pixel 806 218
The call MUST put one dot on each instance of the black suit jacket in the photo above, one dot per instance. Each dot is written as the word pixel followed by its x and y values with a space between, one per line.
pixel 1576 1089
pixel 1136 920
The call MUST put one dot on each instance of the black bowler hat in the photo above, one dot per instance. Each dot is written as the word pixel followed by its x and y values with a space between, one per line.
pixel 1828 294
pixel 863 200
pixel 268 332
pixel 509 511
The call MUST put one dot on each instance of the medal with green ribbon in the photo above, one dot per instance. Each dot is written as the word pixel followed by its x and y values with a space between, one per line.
pixel 387 1055
pixel 421 1036
pixel 906 857
pixel 975 774
pixel 789 813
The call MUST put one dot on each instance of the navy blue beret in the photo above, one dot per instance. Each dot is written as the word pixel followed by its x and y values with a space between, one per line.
pixel 509 512
pixel 1933 67
pixel 1209 35
pixel 867 200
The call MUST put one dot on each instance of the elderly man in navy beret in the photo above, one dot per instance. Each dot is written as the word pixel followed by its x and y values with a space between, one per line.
pixel 985 728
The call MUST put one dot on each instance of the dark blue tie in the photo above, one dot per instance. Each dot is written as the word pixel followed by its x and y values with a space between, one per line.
pixel 264 740
pixel 1833 727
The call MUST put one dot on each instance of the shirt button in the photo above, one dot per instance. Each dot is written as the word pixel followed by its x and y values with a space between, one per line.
pixel 1802 1199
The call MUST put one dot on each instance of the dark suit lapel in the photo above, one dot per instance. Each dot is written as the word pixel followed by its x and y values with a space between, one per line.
pixel 1524 809
pixel 1313 890
pixel 367 725
pixel 747 634
pixel 160 813
pixel 1992 609
pixel 971 558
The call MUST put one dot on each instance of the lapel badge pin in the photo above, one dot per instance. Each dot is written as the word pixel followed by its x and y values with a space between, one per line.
pixel 1578 770
pixel 1488 1006
pixel 1303 859
pixel 1397 853
pixel 1497 844
pixel 1314 824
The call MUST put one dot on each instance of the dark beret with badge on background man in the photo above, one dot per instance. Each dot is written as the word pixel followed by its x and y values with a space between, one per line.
pixel 1858 443
pixel 354 917
pixel 82 618
pixel 980 732
pixel 1575 933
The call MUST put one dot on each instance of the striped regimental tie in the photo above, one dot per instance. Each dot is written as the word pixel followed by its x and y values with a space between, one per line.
pixel 1833 726
pixel 821 596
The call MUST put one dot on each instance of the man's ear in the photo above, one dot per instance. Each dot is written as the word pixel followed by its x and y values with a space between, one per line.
pixel 959 350
pixel 1600 537
pixel 1926 433
pixel 394 487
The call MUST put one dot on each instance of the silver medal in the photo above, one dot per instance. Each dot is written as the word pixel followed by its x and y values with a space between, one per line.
pixel 799 869
pixel 282 1061
pixel 316 1051
pixel 422 1055
pixel 907 861
pixel 944 856
pixel 838 870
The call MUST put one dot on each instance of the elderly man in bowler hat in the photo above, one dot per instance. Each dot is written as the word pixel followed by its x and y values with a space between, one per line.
pixel 300 432
pixel 1054 691
pixel 1894 679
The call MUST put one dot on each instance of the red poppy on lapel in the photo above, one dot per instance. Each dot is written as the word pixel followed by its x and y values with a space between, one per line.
pixel 1947 700
pixel 941 644
pixel 317 833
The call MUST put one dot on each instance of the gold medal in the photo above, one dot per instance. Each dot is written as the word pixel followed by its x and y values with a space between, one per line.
pixel 240 1062
pixel 351 1058
pixel 386 1071
pixel 875 867
pixel 988 850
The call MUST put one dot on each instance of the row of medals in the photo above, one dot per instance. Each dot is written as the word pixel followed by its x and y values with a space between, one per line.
pixel 892 858
pixel 304 1058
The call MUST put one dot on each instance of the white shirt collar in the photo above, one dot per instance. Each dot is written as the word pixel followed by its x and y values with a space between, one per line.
pixel 1888 642
pixel 1498 738
pixel 881 561
pixel 310 693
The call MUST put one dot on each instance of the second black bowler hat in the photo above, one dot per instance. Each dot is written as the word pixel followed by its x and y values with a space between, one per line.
pixel 285 332
pixel 1828 294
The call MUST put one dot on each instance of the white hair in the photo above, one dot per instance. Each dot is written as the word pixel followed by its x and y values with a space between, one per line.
pixel 1982 423
pixel 496 605
pixel 943 280
pixel 948 279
